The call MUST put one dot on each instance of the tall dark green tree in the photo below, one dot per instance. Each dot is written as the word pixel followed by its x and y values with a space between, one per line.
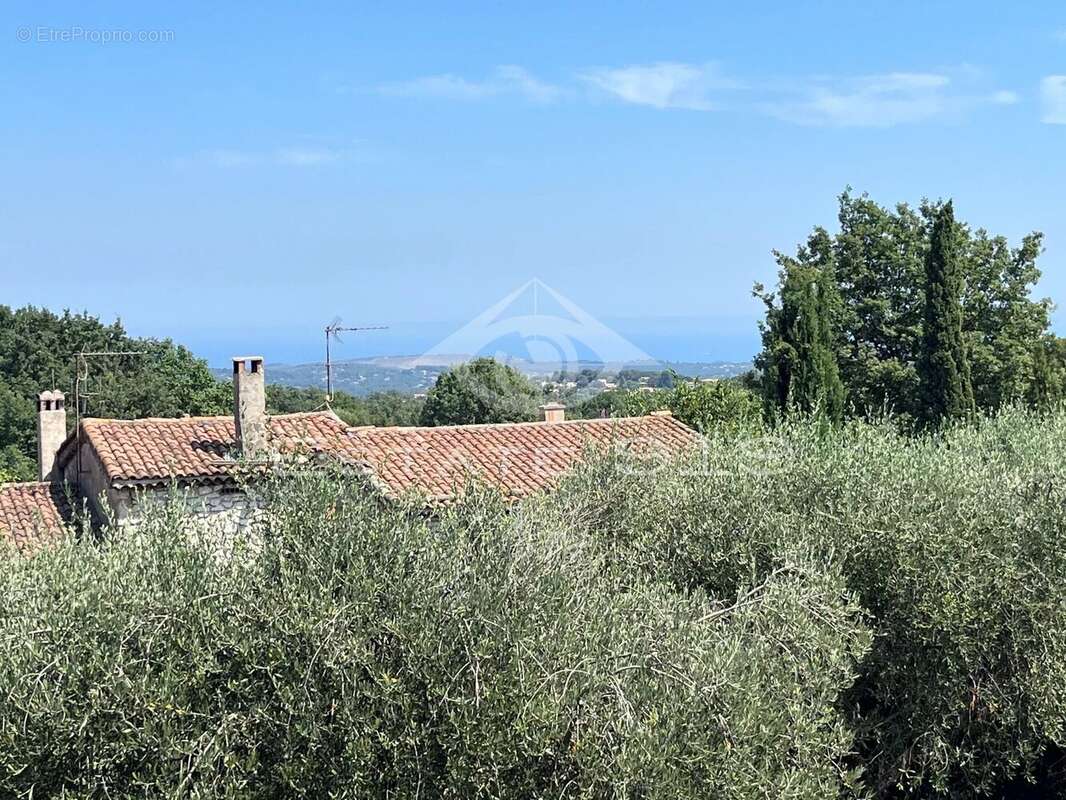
pixel 877 258
pixel 946 390
pixel 799 365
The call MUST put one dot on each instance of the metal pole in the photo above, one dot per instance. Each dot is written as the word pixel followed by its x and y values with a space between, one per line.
pixel 81 364
pixel 332 330
pixel 329 372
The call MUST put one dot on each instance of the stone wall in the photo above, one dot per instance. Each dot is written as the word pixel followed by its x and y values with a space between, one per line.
pixel 218 511
pixel 107 504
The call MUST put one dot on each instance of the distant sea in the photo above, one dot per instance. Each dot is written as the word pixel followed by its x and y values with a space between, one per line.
pixel 672 340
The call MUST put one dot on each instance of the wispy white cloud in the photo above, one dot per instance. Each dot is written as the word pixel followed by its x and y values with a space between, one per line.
pixel 504 80
pixel 894 98
pixel 1004 97
pixel 450 87
pixel 1053 99
pixel 228 158
pixel 307 156
pixel 536 90
pixel 666 84
pixel 294 156
pixel 880 100
pixel 883 100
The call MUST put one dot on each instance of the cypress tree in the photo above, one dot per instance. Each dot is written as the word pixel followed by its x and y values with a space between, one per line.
pixel 799 365
pixel 943 368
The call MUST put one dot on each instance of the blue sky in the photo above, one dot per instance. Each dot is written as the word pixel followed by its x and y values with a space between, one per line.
pixel 253 171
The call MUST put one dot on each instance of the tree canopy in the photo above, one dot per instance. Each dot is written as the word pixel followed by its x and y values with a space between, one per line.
pixel 877 261
pixel 37 351
pixel 378 408
pixel 480 391
pixel 722 407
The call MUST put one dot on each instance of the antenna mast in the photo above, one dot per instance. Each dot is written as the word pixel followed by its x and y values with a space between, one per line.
pixel 333 331
pixel 81 378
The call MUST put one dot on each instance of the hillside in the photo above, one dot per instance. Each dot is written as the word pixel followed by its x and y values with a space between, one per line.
pixel 417 374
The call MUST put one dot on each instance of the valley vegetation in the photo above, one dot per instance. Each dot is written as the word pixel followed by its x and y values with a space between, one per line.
pixel 810 612
pixel 854 590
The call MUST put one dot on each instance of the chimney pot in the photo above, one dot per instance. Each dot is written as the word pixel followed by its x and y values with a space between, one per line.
pixel 51 432
pixel 553 412
pixel 249 406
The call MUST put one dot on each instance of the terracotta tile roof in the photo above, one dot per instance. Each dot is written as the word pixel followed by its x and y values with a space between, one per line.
pixel 517 458
pixel 156 449
pixel 32 514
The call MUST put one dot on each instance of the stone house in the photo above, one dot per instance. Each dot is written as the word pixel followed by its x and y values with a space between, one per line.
pixel 114 466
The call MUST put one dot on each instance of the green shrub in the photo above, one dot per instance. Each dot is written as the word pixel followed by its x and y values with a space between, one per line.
pixel 723 407
pixel 809 613
pixel 360 650
pixel 955 546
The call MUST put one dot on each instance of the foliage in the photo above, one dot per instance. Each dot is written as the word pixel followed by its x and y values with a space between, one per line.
pixel 37 351
pixel 480 391
pixel 378 408
pixel 955 545
pixel 581 378
pixel 721 406
pixel 943 367
pixel 385 408
pixel 1048 383
pixel 696 629
pixel 798 361
pixel 878 260
pixel 360 650
pixel 634 378
pixel 608 403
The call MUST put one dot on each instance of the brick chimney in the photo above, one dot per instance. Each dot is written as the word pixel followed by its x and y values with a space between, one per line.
pixel 51 432
pixel 553 412
pixel 249 406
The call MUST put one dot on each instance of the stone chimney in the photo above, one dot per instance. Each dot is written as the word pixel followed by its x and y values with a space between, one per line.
pixel 553 412
pixel 51 432
pixel 249 406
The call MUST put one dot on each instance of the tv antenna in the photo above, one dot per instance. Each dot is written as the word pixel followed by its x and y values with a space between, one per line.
pixel 81 381
pixel 333 331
